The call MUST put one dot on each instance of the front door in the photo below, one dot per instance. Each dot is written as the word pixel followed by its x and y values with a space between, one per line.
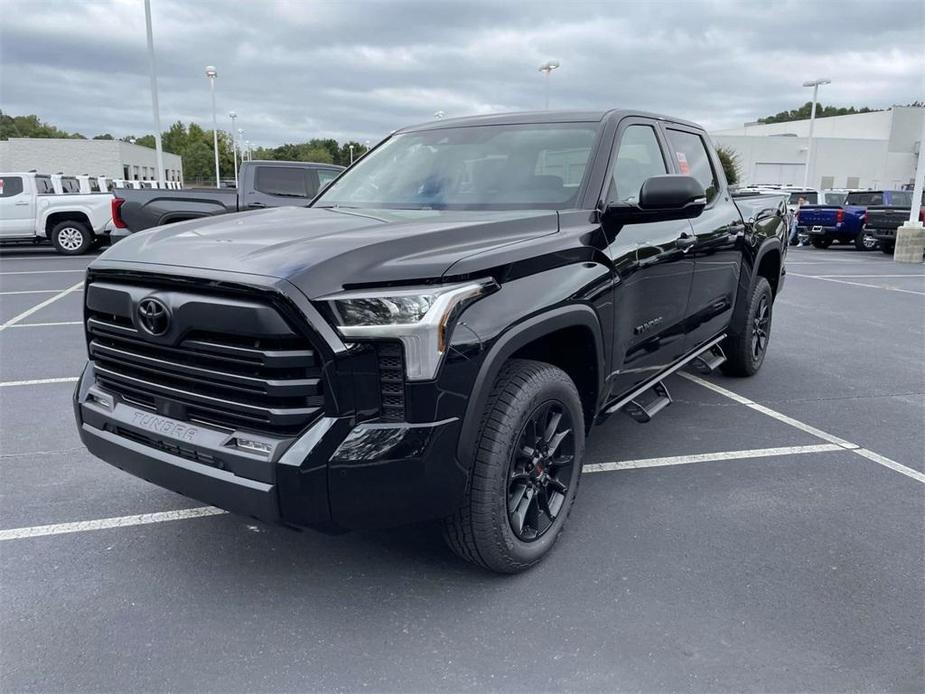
pixel 17 208
pixel 652 270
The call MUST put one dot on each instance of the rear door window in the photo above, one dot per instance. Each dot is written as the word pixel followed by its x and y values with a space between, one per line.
pixel 284 181
pixel 10 186
pixel 865 198
pixel 44 185
pixel 693 159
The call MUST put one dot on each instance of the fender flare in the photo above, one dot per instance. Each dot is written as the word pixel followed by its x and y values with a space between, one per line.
pixel 513 339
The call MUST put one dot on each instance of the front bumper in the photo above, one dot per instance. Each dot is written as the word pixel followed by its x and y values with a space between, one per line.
pixel 336 474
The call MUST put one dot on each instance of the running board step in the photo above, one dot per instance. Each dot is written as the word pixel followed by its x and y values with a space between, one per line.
pixel 707 362
pixel 643 411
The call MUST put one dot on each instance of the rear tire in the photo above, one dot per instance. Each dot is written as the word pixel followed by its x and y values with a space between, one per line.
pixel 71 238
pixel 747 342
pixel 821 243
pixel 526 470
pixel 864 241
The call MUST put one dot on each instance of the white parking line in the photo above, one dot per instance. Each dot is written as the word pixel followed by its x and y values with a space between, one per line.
pixel 107 523
pixel 39 272
pixel 39 381
pixel 922 275
pixel 25 314
pixel 710 457
pixel 802 426
pixel 856 284
pixel 46 325
pixel 31 291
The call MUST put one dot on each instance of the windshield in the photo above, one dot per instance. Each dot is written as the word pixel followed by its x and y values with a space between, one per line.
pixel 491 167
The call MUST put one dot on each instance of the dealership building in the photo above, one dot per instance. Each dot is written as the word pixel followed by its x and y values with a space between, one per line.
pixel 863 150
pixel 111 158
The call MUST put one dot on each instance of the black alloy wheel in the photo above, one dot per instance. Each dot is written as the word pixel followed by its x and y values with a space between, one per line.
pixel 761 327
pixel 540 471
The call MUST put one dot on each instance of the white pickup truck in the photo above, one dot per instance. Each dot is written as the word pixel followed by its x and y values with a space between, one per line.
pixel 31 210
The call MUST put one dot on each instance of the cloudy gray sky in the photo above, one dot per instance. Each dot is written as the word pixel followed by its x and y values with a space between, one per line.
pixel 296 69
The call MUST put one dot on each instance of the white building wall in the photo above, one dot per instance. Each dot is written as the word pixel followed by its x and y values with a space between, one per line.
pixel 94 157
pixel 868 150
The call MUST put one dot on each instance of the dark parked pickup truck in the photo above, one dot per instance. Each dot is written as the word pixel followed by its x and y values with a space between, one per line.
pixel 883 220
pixel 434 337
pixel 261 184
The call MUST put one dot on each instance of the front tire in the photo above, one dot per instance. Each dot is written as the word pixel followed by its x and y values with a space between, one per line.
pixel 747 341
pixel 526 469
pixel 71 238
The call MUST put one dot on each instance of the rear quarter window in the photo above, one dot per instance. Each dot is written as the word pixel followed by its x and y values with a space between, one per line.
pixel 43 185
pixel 285 181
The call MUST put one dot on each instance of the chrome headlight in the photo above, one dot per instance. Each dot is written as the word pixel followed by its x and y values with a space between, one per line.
pixel 418 316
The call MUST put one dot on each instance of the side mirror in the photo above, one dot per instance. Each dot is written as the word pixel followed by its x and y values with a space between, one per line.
pixel 661 198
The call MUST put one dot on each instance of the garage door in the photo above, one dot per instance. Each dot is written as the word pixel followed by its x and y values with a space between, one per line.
pixel 772 172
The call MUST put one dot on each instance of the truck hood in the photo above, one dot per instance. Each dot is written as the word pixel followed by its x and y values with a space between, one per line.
pixel 323 250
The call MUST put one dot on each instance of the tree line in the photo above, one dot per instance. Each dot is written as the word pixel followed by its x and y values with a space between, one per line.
pixel 194 145
pixel 804 112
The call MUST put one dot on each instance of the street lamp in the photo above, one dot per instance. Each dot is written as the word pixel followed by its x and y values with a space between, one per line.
pixel 548 67
pixel 351 154
pixel 439 115
pixel 158 149
pixel 247 144
pixel 234 147
pixel 241 140
pixel 812 121
pixel 212 73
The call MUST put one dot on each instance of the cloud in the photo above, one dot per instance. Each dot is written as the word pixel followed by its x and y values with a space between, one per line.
pixel 294 69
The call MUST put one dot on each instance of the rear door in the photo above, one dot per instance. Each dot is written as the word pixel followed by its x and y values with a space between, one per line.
pixel 651 268
pixel 277 186
pixel 718 236
pixel 17 207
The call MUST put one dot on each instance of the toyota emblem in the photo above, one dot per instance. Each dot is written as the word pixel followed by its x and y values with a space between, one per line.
pixel 153 316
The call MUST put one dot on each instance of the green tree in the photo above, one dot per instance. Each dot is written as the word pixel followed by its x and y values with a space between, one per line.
pixel 804 112
pixel 729 158
pixel 104 136
pixel 30 126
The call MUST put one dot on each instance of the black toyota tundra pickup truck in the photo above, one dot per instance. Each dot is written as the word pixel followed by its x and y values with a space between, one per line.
pixel 434 337
pixel 261 184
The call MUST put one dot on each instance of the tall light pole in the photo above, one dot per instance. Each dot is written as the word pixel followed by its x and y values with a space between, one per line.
pixel 910 237
pixel 234 147
pixel 212 73
pixel 158 150
pixel 548 67
pixel 351 154
pixel 241 140
pixel 250 155
pixel 812 121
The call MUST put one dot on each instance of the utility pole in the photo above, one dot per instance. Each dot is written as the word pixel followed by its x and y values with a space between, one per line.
pixel 212 73
pixel 812 122
pixel 158 149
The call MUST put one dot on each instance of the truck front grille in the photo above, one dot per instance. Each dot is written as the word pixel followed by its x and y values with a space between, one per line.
pixel 231 362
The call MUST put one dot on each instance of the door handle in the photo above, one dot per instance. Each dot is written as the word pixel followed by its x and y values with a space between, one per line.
pixel 22 204
pixel 685 241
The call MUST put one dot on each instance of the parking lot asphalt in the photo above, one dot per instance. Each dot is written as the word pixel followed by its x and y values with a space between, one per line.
pixel 760 534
